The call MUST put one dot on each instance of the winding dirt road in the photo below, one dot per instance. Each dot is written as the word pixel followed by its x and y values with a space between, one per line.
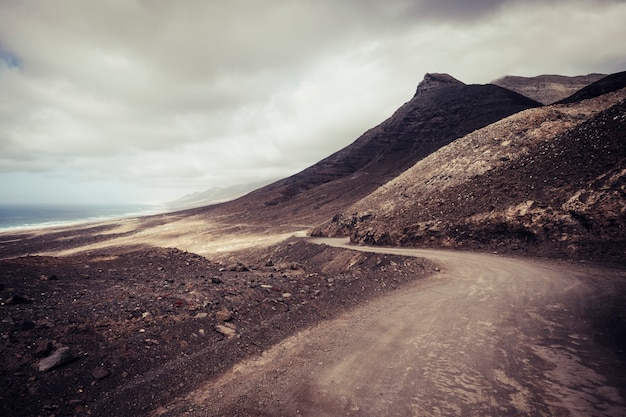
pixel 485 336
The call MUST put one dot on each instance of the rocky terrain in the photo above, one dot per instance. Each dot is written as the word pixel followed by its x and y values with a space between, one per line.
pixel 118 332
pixel 547 89
pixel 122 317
pixel 547 181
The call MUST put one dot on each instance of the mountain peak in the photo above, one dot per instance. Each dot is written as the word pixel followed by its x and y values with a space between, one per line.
pixel 434 81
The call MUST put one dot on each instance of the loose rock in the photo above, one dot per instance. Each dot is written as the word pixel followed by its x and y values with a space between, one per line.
pixel 43 349
pixel 223 315
pixel 225 330
pixel 59 357
pixel 100 373
pixel 18 299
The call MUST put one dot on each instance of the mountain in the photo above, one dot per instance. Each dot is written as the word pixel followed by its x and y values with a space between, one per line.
pixel 547 89
pixel 474 166
pixel 442 110
pixel 213 195
pixel 603 86
pixel 545 181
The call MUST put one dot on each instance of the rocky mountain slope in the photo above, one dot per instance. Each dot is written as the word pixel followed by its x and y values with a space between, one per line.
pixel 442 110
pixel 605 85
pixel 545 181
pixel 547 89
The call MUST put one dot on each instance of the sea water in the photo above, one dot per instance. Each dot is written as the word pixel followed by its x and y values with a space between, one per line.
pixel 17 216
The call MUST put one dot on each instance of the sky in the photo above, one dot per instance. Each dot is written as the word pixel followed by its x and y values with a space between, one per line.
pixel 144 101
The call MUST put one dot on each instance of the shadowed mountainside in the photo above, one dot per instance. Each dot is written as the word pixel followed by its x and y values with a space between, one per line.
pixel 442 110
pixel 547 181
pixel 605 85
pixel 547 89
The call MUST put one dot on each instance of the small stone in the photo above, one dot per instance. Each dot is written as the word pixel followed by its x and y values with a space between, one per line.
pixel 59 357
pixel 225 330
pixel 223 315
pixel 18 299
pixel 201 316
pixel 100 373
pixel 286 295
pixel 43 349
pixel 216 280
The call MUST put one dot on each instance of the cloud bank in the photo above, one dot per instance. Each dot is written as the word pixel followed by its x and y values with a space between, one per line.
pixel 149 100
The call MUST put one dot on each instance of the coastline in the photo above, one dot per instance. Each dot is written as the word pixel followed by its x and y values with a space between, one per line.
pixel 52 216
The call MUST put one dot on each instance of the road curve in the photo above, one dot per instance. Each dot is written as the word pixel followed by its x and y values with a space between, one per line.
pixel 486 336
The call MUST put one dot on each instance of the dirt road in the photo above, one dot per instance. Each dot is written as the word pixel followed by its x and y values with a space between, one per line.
pixel 486 336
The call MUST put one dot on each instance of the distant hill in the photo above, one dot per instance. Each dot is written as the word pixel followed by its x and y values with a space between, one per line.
pixel 603 86
pixel 442 110
pixel 548 181
pixel 214 195
pixel 547 89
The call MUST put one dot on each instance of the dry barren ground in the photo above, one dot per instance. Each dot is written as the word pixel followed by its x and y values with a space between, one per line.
pixel 140 325
pixel 298 327
pixel 487 336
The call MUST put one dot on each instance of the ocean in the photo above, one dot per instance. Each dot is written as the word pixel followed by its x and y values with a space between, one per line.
pixel 17 216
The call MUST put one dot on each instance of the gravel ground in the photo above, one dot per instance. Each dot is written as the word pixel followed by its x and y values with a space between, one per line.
pixel 140 327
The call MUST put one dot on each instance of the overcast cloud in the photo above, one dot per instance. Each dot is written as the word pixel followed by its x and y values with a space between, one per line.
pixel 145 101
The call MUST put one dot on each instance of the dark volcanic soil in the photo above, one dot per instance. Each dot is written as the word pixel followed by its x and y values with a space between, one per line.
pixel 146 325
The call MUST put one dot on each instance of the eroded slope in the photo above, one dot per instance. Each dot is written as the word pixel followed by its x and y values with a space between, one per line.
pixel 546 181
pixel 442 110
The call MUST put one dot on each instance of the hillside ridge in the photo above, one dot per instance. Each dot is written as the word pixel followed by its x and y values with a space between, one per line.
pixel 547 181
pixel 547 88
pixel 442 110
